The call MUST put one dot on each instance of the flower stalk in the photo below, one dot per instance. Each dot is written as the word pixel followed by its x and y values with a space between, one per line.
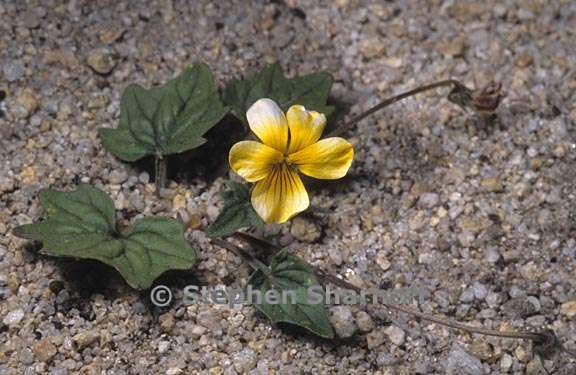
pixel 485 102
pixel 543 339
pixel 389 101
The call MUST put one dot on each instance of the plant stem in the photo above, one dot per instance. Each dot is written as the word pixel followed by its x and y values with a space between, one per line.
pixel 347 125
pixel 325 277
pixel 255 263
pixel 445 322
pixel 160 169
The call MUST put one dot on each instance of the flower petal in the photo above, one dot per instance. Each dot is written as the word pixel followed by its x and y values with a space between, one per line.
pixel 253 160
pixel 327 159
pixel 306 127
pixel 280 195
pixel 268 122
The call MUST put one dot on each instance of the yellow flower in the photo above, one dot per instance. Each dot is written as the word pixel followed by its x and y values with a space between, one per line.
pixel 290 144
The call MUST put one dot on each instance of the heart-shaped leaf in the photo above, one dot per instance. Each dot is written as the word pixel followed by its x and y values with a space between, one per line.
pixel 82 224
pixel 237 212
pixel 288 273
pixel 165 120
pixel 310 90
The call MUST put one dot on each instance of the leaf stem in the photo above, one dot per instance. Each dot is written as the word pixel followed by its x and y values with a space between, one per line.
pixel 347 125
pixel 445 322
pixel 325 277
pixel 160 170
pixel 255 263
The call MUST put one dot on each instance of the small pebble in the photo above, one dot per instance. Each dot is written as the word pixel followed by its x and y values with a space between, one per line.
pixel 375 338
pixel 480 291
pixel 244 360
pixel 461 362
pixel 396 335
pixel 101 60
pixel 13 71
pixel 467 295
pixel 382 261
pixel 569 309
pixel 44 350
pixel 85 339
pixel 372 47
pixel 343 321
pixel 305 230
pixel 163 346
pixel 506 363
pixel 14 317
pixel 364 321
pixel 429 200
pixel 30 20
pixel 335 255
pixel 28 102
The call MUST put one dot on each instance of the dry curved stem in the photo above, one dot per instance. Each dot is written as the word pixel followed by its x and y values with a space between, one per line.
pixel 547 341
pixel 484 101
pixel 458 87
pixel 534 336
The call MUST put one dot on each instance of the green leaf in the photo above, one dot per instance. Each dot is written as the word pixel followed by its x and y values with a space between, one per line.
pixel 82 224
pixel 237 212
pixel 289 273
pixel 310 90
pixel 165 120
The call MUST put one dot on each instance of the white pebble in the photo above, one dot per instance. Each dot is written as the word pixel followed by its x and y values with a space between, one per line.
pixel 14 317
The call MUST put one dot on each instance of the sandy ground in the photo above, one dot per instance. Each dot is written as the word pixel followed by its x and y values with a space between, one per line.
pixel 485 217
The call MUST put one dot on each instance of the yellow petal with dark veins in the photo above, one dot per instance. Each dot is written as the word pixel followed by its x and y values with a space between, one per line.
pixel 305 126
pixel 253 160
pixel 280 195
pixel 327 159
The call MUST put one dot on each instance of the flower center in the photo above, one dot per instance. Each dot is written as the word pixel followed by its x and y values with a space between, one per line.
pixel 284 163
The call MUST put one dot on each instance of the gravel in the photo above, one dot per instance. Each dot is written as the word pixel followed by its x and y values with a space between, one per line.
pixel 343 321
pixel 459 361
pixel 13 318
pixel 396 335
pixel 13 71
pixel 481 215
